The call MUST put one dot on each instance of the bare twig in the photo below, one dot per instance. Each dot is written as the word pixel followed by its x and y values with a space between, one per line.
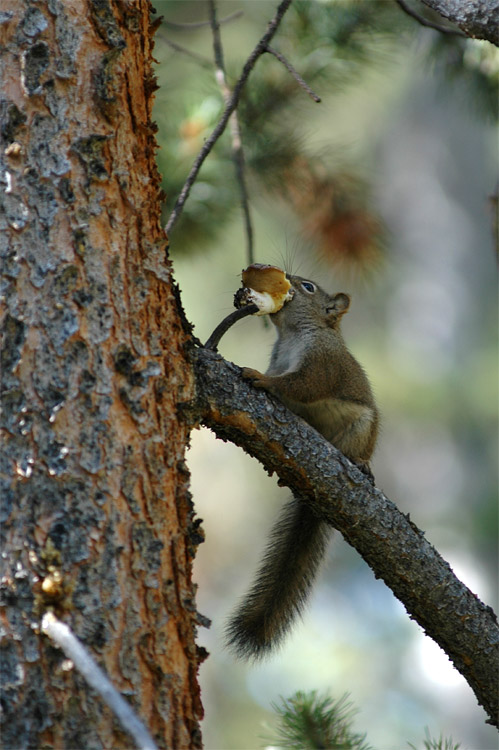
pixel 237 146
pixel 93 674
pixel 179 48
pixel 259 50
pixel 294 73
pixel 227 322
pixel 426 22
pixel 202 24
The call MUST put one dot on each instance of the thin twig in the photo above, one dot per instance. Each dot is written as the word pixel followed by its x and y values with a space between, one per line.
pixel 201 24
pixel 179 48
pixel 426 22
pixel 75 650
pixel 239 167
pixel 227 322
pixel 217 42
pixel 231 105
pixel 294 73
pixel 237 145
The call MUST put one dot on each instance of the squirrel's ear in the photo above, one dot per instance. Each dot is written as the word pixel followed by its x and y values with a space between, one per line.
pixel 338 305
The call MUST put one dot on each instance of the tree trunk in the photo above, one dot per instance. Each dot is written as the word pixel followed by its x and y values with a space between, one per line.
pixel 95 506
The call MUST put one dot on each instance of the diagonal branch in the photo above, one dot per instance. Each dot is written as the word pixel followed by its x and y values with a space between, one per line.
pixel 478 19
pixel 259 50
pixel 294 73
pixel 426 22
pixel 395 549
pixel 62 635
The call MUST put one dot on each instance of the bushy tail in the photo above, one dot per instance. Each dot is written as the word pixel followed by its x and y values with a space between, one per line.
pixel 295 550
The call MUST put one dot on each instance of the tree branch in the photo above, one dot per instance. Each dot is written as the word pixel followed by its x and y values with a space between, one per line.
pixel 389 542
pixel 223 327
pixel 478 19
pixel 95 677
pixel 237 146
pixel 426 22
pixel 294 73
pixel 259 50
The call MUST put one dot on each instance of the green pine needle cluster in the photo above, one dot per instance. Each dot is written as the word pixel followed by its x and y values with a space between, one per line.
pixel 443 743
pixel 310 721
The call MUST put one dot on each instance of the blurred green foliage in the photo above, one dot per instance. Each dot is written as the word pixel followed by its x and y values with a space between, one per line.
pixel 391 174
pixel 332 45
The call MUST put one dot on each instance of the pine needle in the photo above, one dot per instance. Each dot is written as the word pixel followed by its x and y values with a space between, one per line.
pixel 312 722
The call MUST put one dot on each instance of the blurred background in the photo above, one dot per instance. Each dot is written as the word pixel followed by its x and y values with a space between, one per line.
pixel 386 190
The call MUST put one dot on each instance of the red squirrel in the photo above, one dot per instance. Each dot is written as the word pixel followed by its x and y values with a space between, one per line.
pixel 312 372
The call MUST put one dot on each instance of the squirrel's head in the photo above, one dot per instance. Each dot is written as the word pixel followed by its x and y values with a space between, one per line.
pixel 311 306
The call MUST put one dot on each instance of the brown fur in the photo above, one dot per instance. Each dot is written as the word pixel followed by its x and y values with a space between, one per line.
pixel 314 374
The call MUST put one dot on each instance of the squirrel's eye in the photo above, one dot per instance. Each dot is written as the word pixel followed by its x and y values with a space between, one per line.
pixel 308 286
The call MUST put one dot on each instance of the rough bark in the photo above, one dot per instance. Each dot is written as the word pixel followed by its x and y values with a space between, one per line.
pixel 96 516
pixel 395 549
pixel 477 18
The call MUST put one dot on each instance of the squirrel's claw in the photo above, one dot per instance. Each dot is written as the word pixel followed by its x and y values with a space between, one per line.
pixel 256 377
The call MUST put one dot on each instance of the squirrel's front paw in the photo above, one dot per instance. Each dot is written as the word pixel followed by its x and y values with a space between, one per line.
pixel 257 378
pixel 365 468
